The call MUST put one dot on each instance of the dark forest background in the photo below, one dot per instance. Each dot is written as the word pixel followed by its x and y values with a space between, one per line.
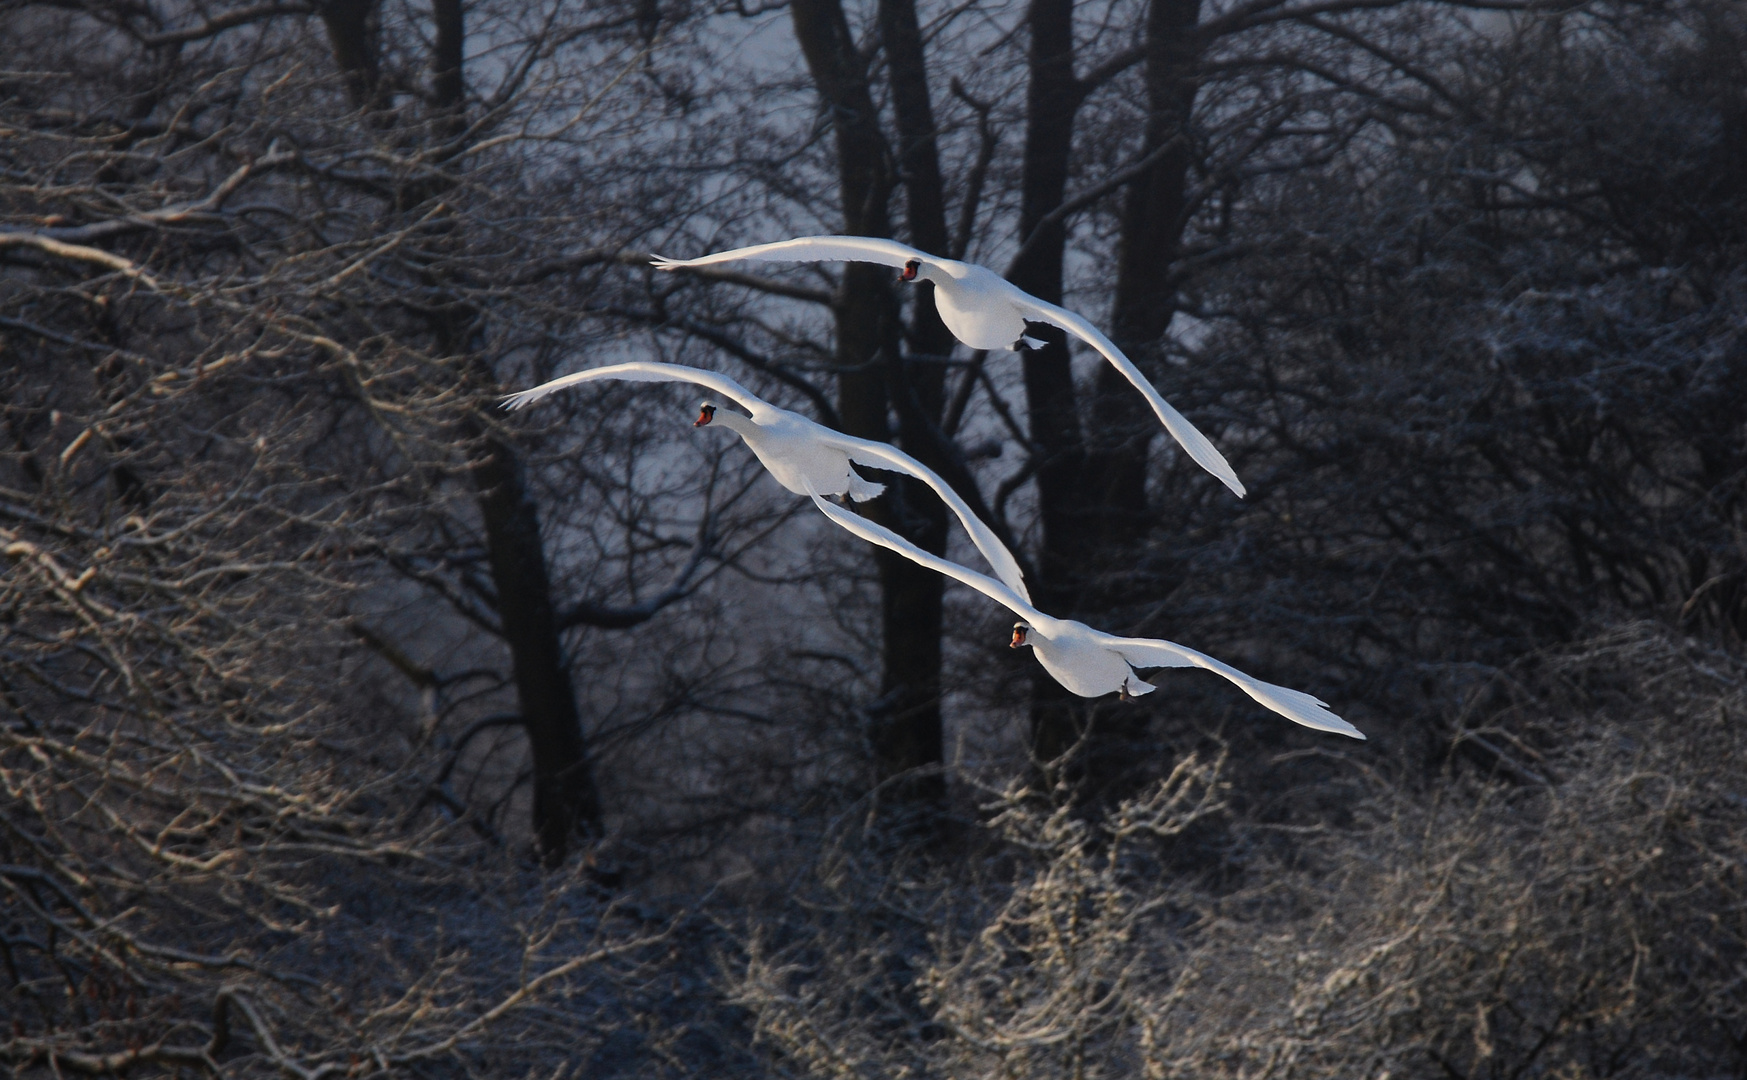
pixel 352 726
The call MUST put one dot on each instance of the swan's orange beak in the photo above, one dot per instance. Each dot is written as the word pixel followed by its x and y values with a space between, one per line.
pixel 910 269
pixel 705 415
pixel 1018 636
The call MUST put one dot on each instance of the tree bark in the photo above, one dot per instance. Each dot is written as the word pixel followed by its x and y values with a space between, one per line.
pixel 448 91
pixel 448 88
pixel 906 729
pixel 1053 96
pixel 1092 498
pixel 918 385
pixel 354 37
pixel 1153 219
pixel 565 798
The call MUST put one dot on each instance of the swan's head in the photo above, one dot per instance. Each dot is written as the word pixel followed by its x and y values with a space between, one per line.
pixel 911 270
pixel 706 413
pixel 1021 634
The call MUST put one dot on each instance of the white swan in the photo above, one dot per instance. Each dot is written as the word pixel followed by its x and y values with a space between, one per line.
pixel 1087 661
pixel 804 457
pixel 983 310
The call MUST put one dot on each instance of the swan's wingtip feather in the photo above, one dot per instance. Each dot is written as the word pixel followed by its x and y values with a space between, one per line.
pixel 1328 721
pixel 522 400
pixel 1323 720
pixel 1332 723
pixel 1208 457
pixel 1202 451
pixel 662 262
pixel 1310 711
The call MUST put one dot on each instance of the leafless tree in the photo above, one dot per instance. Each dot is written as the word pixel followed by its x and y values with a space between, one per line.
pixel 1582 914
pixel 301 634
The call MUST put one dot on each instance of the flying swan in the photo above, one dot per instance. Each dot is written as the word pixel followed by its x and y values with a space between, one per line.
pixel 804 457
pixel 1086 661
pixel 983 310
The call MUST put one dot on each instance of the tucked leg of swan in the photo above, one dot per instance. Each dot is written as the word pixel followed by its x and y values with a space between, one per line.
pixel 862 489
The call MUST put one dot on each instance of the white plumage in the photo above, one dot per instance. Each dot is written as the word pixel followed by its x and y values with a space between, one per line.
pixel 804 457
pixel 1090 662
pixel 983 310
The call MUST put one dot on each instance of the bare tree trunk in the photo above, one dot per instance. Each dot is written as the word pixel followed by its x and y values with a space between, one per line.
pixel 1052 98
pixel 354 38
pixel 448 91
pixel 1092 493
pixel 906 730
pixel 1154 216
pixel 565 798
pixel 917 389
pixel 1153 219
pixel 918 148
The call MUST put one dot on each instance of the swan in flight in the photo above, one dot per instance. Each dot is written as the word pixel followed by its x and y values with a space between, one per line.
pixel 805 457
pixel 1086 661
pixel 983 310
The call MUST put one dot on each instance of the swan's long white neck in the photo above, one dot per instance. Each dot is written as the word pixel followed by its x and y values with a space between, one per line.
pixel 733 421
pixel 933 271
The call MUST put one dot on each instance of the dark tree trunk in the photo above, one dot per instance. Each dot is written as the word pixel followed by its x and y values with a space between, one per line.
pixel 1092 498
pixel 1153 218
pixel 917 386
pixel 917 389
pixel 1052 98
pixel 918 148
pixel 565 799
pixel 354 38
pixel 448 91
pixel 906 730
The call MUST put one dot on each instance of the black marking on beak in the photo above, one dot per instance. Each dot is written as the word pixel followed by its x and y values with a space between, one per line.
pixel 705 415
pixel 910 269
pixel 1019 632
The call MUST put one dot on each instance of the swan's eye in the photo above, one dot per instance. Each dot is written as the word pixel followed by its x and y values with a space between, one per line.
pixel 910 269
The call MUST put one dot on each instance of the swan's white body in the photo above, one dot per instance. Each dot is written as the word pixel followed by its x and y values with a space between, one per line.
pixel 983 310
pixel 804 457
pixel 1090 662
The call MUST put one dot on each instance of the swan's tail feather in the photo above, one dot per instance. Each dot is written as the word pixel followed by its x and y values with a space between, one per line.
pixel 862 489
pixel 1138 687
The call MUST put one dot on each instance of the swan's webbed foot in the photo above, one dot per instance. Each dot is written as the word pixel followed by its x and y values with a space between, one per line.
pixel 1122 693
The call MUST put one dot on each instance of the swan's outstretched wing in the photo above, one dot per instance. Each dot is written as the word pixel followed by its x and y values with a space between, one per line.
pixel 882 456
pixel 875 533
pixel 1294 705
pixel 645 371
pixel 808 249
pixel 1187 435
